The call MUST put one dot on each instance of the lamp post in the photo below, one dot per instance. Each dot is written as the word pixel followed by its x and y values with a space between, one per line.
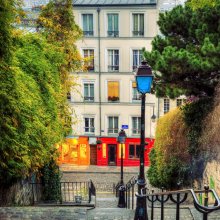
pixel 153 117
pixel 144 80
pixel 121 140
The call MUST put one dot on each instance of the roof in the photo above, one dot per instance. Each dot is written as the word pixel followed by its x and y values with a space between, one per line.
pixel 113 2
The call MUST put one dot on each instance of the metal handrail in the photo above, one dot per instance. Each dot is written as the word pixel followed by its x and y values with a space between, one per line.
pixel 163 197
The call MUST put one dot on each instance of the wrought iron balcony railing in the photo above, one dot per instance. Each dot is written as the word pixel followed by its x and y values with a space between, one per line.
pixel 113 33
pixel 88 98
pixel 112 130
pixel 90 130
pixel 88 33
pixel 138 33
pixel 113 68
pixel 136 131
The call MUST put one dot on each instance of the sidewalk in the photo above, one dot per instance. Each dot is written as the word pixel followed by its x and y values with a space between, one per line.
pixel 97 169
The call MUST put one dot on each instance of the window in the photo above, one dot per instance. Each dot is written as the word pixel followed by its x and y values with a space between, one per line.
pixel 166 105
pixel 179 102
pixel 89 92
pixel 113 125
pixel 136 125
pixel 113 91
pixel 68 96
pixel 113 25
pixel 113 60
pixel 138 25
pixel 89 125
pixel 87 24
pixel 88 53
pixel 137 58
pixel 134 151
pixel 135 94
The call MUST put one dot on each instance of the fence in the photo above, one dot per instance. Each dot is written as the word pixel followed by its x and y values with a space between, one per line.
pixel 63 192
pixel 205 201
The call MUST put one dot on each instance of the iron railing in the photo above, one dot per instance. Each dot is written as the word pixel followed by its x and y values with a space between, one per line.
pixel 129 192
pixel 179 197
pixel 113 33
pixel 65 192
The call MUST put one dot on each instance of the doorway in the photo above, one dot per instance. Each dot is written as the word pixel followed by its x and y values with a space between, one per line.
pixel 112 154
pixel 93 155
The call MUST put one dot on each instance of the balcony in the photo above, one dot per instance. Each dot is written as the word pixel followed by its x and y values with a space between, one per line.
pixel 136 97
pixel 138 33
pixel 89 130
pixel 136 131
pixel 113 68
pixel 88 98
pixel 88 33
pixel 113 98
pixel 112 130
pixel 113 33
pixel 90 68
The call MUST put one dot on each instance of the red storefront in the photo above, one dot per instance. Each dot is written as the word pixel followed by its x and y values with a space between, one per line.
pixel 109 151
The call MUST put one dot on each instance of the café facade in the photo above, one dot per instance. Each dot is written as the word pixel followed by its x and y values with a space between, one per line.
pixel 102 151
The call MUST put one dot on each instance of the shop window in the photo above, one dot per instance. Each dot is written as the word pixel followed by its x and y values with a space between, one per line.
pixel 134 151
pixel 136 125
pixel 113 25
pixel 137 58
pixel 138 25
pixel 113 91
pixel 87 25
pixel 89 92
pixel 89 54
pixel 113 125
pixel 89 125
pixel 113 60
pixel 135 94
pixel 166 105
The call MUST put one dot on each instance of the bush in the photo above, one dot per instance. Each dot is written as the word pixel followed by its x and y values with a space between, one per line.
pixel 51 182
pixel 170 158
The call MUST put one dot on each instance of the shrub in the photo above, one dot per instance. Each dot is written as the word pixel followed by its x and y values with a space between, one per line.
pixel 51 182
pixel 170 158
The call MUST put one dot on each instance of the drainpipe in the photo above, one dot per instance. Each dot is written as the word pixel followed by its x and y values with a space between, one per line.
pixel 99 57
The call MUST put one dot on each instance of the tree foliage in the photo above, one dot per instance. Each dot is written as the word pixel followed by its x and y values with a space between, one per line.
pixel 196 4
pixel 33 106
pixel 186 57
pixel 210 139
pixel 169 158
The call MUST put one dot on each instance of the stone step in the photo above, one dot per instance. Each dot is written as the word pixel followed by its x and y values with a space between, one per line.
pixel 170 214
pixel 110 214
pixel 212 216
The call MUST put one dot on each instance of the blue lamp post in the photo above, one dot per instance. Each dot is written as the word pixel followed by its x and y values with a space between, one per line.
pixel 144 79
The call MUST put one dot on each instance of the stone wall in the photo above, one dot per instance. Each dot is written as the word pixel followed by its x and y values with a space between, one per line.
pixel 18 194
pixel 211 175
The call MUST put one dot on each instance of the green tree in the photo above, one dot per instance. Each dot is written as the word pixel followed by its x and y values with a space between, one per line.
pixel 56 22
pixel 186 57
pixel 196 4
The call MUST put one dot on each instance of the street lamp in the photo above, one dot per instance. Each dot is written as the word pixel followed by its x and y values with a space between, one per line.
pixel 153 117
pixel 121 140
pixel 144 80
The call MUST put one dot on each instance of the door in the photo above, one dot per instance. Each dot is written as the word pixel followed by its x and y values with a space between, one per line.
pixel 93 155
pixel 112 154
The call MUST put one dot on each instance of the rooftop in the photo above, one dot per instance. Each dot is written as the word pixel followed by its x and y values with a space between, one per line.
pixel 113 2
